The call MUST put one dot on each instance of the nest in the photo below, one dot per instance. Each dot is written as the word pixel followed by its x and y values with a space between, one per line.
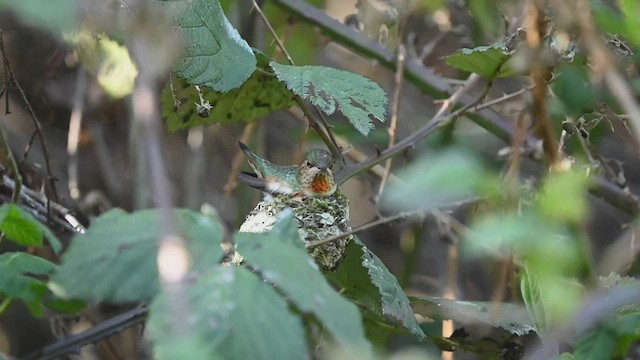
pixel 318 218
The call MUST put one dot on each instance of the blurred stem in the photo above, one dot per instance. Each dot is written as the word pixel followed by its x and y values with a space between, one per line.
pixel 411 246
pixel 5 305
pixel 395 108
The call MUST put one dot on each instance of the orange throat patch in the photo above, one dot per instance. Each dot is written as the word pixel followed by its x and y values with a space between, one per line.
pixel 321 184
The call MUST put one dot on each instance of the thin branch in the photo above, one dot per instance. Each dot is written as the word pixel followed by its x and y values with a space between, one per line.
pixel 328 138
pixel 14 165
pixel 51 185
pixel 416 73
pixel 501 99
pixel 536 30
pixel 441 118
pixel 395 108
pixel 380 221
pixel 103 330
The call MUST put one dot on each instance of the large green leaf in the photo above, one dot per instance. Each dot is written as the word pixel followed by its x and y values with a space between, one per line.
pixel 441 179
pixel 215 54
pixel 281 258
pixel 483 60
pixel 115 260
pixel 510 317
pixel 19 226
pixel 258 97
pixel 365 279
pixel 355 96
pixel 239 316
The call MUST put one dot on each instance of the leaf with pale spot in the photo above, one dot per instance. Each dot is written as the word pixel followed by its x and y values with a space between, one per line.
pixel 355 96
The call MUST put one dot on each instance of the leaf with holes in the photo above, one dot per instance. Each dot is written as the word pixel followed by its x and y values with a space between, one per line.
pixel 215 54
pixel 355 96
pixel 258 97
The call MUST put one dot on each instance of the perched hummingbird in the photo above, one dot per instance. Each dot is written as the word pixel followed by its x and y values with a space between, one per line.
pixel 312 178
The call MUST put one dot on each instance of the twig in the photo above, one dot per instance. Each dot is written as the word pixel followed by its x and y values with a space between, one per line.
pixel 395 108
pixel 275 36
pixel 103 330
pixel 328 138
pixel 313 123
pixel 417 74
pixel 442 117
pixel 380 221
pixel 75 127
pixel 14 165
pixel 536 30
pixel 51 185
pixel 502 99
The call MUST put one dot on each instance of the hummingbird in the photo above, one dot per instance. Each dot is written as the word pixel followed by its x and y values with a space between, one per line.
pixel 313 178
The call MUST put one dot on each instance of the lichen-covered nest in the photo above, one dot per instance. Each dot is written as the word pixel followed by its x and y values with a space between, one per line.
pixel 318 218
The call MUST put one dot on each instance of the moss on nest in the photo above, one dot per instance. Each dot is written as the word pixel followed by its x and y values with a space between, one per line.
pixel 318 218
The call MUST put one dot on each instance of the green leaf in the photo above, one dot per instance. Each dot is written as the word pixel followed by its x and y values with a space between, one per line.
pixel 281 258
pixel 365 279
pixel 15 281
pixel 441 179
pixel 509 317
pixel 238 315
pixel 59 15
pixel 610 340
pixel 564 196
pixel 355 96
pixel 27 263
pixel 573 89
pixel 258 97
pixel 19 226
pixel 108 60
pixel 631 11
pixel 530 290
pixel 216 55
pixel 115 260
pixel 483 60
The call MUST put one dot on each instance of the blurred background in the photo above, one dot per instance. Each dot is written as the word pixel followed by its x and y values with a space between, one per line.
pixel 203 161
